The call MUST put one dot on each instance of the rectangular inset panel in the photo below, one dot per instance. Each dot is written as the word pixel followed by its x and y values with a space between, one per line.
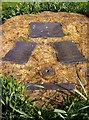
pixel 45 29
pixel 50 86
pixel 67 52
pixel 20 53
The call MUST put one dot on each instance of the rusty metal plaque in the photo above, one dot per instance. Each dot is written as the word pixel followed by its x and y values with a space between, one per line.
pixel 68 53
pixel 45 29
pixel 20 53
pixel 50 86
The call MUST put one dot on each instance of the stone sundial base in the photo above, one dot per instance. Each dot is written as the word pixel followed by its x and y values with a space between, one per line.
pixel 44 55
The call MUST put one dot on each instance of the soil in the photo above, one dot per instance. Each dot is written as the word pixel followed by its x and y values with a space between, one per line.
pixel 75 28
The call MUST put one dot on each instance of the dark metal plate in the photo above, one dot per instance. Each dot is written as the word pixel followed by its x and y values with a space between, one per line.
pixel 45 29
pixel 20 53
pixel 50 86
pixel 68 53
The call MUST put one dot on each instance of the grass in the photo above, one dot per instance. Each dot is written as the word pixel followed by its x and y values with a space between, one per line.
pixel 10 9
pixel 17 105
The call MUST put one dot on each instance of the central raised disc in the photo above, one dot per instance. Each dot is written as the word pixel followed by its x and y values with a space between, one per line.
pixel 47 71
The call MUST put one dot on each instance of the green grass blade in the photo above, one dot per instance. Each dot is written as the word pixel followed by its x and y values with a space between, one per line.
pixel 80 81
pixel 60 111
pixel 80 94
pixel 2 102
pixel 20 112
pixel 83 108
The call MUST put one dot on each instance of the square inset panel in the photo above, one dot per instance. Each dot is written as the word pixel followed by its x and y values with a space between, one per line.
pixel 45 29
pixel 20 53
pixel 68 53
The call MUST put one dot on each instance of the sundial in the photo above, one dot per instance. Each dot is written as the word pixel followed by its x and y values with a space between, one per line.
pixel 66 51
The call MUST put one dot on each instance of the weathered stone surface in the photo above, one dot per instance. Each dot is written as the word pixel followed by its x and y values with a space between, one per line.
pixel 45 29
pixel 68 53
pixel 20 53
pixel 44 55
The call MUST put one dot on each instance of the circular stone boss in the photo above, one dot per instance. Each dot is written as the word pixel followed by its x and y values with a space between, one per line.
pixel 74 26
